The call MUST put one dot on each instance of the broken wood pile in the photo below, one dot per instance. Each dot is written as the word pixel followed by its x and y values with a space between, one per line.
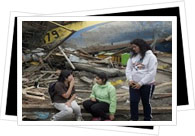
pixel 36 97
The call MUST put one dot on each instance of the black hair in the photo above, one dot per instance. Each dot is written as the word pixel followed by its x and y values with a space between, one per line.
pixel 103 76
pixel 64 74
pixel 143 46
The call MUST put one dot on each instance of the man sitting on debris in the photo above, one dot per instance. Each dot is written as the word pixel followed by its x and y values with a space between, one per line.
pixel 140 72
pixel 64 98
pixel 102 99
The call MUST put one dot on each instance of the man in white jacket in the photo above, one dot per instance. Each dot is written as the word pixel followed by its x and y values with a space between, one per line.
pixel 140 72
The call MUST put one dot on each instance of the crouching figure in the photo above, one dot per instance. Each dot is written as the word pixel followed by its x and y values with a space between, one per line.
pixel 102 103
pixel 64 97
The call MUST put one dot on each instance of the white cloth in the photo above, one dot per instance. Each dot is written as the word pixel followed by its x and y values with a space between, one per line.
pixel 142 71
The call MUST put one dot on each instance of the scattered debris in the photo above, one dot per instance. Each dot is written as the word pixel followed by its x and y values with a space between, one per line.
pixel 42 67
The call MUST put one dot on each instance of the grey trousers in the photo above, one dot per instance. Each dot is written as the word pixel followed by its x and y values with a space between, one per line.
pixel 66 111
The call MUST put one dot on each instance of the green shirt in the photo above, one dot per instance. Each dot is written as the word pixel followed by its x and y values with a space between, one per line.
pixel 105 93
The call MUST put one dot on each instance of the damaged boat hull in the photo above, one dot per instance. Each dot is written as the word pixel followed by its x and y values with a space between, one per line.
pixel 117 32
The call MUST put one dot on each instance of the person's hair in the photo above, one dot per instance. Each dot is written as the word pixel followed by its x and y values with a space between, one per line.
pixel 143 46
pixel 103 76
pixel 64 75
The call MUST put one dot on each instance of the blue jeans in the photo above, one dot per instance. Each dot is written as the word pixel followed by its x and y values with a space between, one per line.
pixel 145 93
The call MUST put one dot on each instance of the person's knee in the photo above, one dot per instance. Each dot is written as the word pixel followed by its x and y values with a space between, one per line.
pixel 86 104
pixel 76 107
pixel 69 110
pixel 146 103
pixel 134 101
pixel 95 108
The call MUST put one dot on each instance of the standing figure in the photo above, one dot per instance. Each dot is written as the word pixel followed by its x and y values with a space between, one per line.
pixel 140 72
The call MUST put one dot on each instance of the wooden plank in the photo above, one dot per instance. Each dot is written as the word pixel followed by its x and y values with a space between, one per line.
pixel 93 49
pixel 32 68
pixel 164 61
pixel 68 60
pixel 164 85
pixel 86 80
pixel 111 72
pixel 165 71
pixel 162 95
pixel 84 56
pixel 33 97
pixel 49 72
pixel 99 48
pixel 119 93
pixel 120 109
pixel 34 93
pixel 169 38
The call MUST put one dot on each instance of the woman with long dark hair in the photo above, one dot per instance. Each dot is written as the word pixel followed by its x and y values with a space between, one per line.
pixel 64 98
pixel 140 72
pixel 102 102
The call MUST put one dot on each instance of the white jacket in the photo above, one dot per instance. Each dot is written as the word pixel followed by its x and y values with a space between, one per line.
pixel 144 71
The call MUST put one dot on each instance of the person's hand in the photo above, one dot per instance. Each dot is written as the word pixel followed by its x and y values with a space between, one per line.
pixel 131 83
pixel 93 99
pixel 68 103
pixel 111 117
pixel 136 86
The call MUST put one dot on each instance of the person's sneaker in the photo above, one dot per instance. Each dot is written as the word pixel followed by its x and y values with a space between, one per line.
pixel 52 119
pixel 79 118
pixel 96 119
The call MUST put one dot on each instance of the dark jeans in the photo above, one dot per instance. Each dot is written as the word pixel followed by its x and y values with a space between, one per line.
pixel 97 109
pixel 145 92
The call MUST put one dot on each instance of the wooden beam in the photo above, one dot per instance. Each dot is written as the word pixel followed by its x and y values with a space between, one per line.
pixel 164 85
pixel 93 49
pixel 86 80
pixel 111 72
pixel 68 60
pixel 98 48
pixel 161 95
pixel 26 96
pixel 120 109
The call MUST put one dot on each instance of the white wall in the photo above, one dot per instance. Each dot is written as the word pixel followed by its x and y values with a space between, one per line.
pixel 186 120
